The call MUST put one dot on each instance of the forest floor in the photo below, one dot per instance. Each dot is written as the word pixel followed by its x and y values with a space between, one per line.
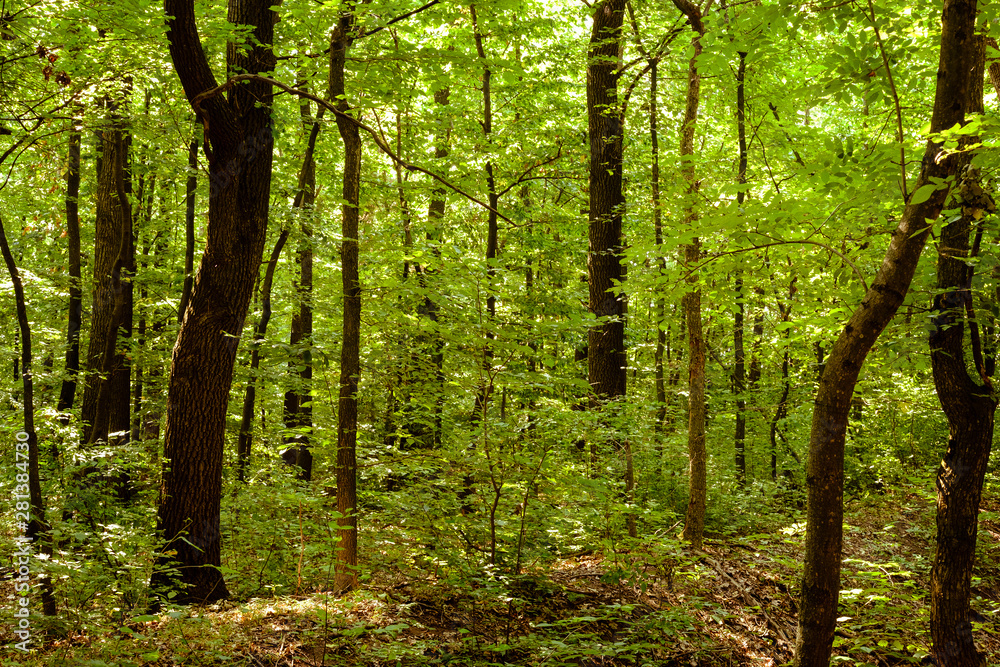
pixel 734 603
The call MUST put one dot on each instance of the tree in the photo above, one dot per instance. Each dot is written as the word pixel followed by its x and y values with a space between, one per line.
pixel 968 401
pixel 350 351
pixel 825 468
pixel 606 356
pixel 694 523
pixel 238 144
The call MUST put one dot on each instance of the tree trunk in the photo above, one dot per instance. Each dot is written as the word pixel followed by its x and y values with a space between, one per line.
pixel 606 353
pixel 694 522
pixel 659 382
pixel 739 368
pixel 238 144
pixel 68 392
pixel 492 229
pixel 191 189
pixel 346 577
pixel 969 406
pixel 36 527
pixel 112 252
pixel 245 441
pixel 825 469
pixel 298 405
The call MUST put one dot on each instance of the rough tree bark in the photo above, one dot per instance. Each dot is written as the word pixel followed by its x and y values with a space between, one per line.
pixel 969 404
pixel 825 468
pixel 238 145
pixel 111 310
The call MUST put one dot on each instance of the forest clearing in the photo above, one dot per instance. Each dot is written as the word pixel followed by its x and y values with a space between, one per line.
pixel 537 332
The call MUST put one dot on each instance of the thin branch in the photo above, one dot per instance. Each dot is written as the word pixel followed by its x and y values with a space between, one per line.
pixel 895 100
pixel 196 104
pixel 399 18
pixel 826 247
pixel 524 174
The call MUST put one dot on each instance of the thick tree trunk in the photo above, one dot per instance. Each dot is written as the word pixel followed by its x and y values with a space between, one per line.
pixel 606 361
pixel 969 405
pixel 112 257
pixel 346 577
pixel 825 469
pixel 238 144
pixel 606 353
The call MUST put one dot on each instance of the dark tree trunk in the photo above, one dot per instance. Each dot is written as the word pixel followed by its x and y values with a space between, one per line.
pixel 68 393
pixel 606 362
pixel 492 230
pixel 191 189
pixel 37 526
pixel 346 577
pixel 298 406
pixel 968 403
pixel 825 469
pixel 111 311
pixel 739 369
pixel 245 441
pixel 435 223
pixel 662 349
pixel 238 144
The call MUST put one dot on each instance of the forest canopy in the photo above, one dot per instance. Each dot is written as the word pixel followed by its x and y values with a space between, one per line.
pixel 347 298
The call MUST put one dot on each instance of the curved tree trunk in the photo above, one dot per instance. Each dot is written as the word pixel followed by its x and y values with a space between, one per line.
pixel 37 526
pixel 968 403
pixel 825 469
pixel 238 144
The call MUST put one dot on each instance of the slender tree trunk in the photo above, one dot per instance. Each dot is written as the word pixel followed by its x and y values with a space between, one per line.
pixel 825 469
pixel 435 222
pixel 969 404
pixel 245 441
pixel 37 526
pixel 68 393
pixel 739 369
pixel 238 144
pixel 191 189
pixel 694 522
pixel 350 360
pixel 660 422
pixel 298 405
pixel 492 229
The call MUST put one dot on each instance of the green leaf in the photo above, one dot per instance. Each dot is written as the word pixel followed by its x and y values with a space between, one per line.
pixel 922 194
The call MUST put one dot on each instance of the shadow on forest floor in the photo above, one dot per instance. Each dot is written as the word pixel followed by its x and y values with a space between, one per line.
pixel 732 604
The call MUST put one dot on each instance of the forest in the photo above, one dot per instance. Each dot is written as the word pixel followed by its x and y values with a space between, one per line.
pixel 511 332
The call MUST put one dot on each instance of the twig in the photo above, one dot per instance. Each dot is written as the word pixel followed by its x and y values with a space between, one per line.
pixel 212 92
